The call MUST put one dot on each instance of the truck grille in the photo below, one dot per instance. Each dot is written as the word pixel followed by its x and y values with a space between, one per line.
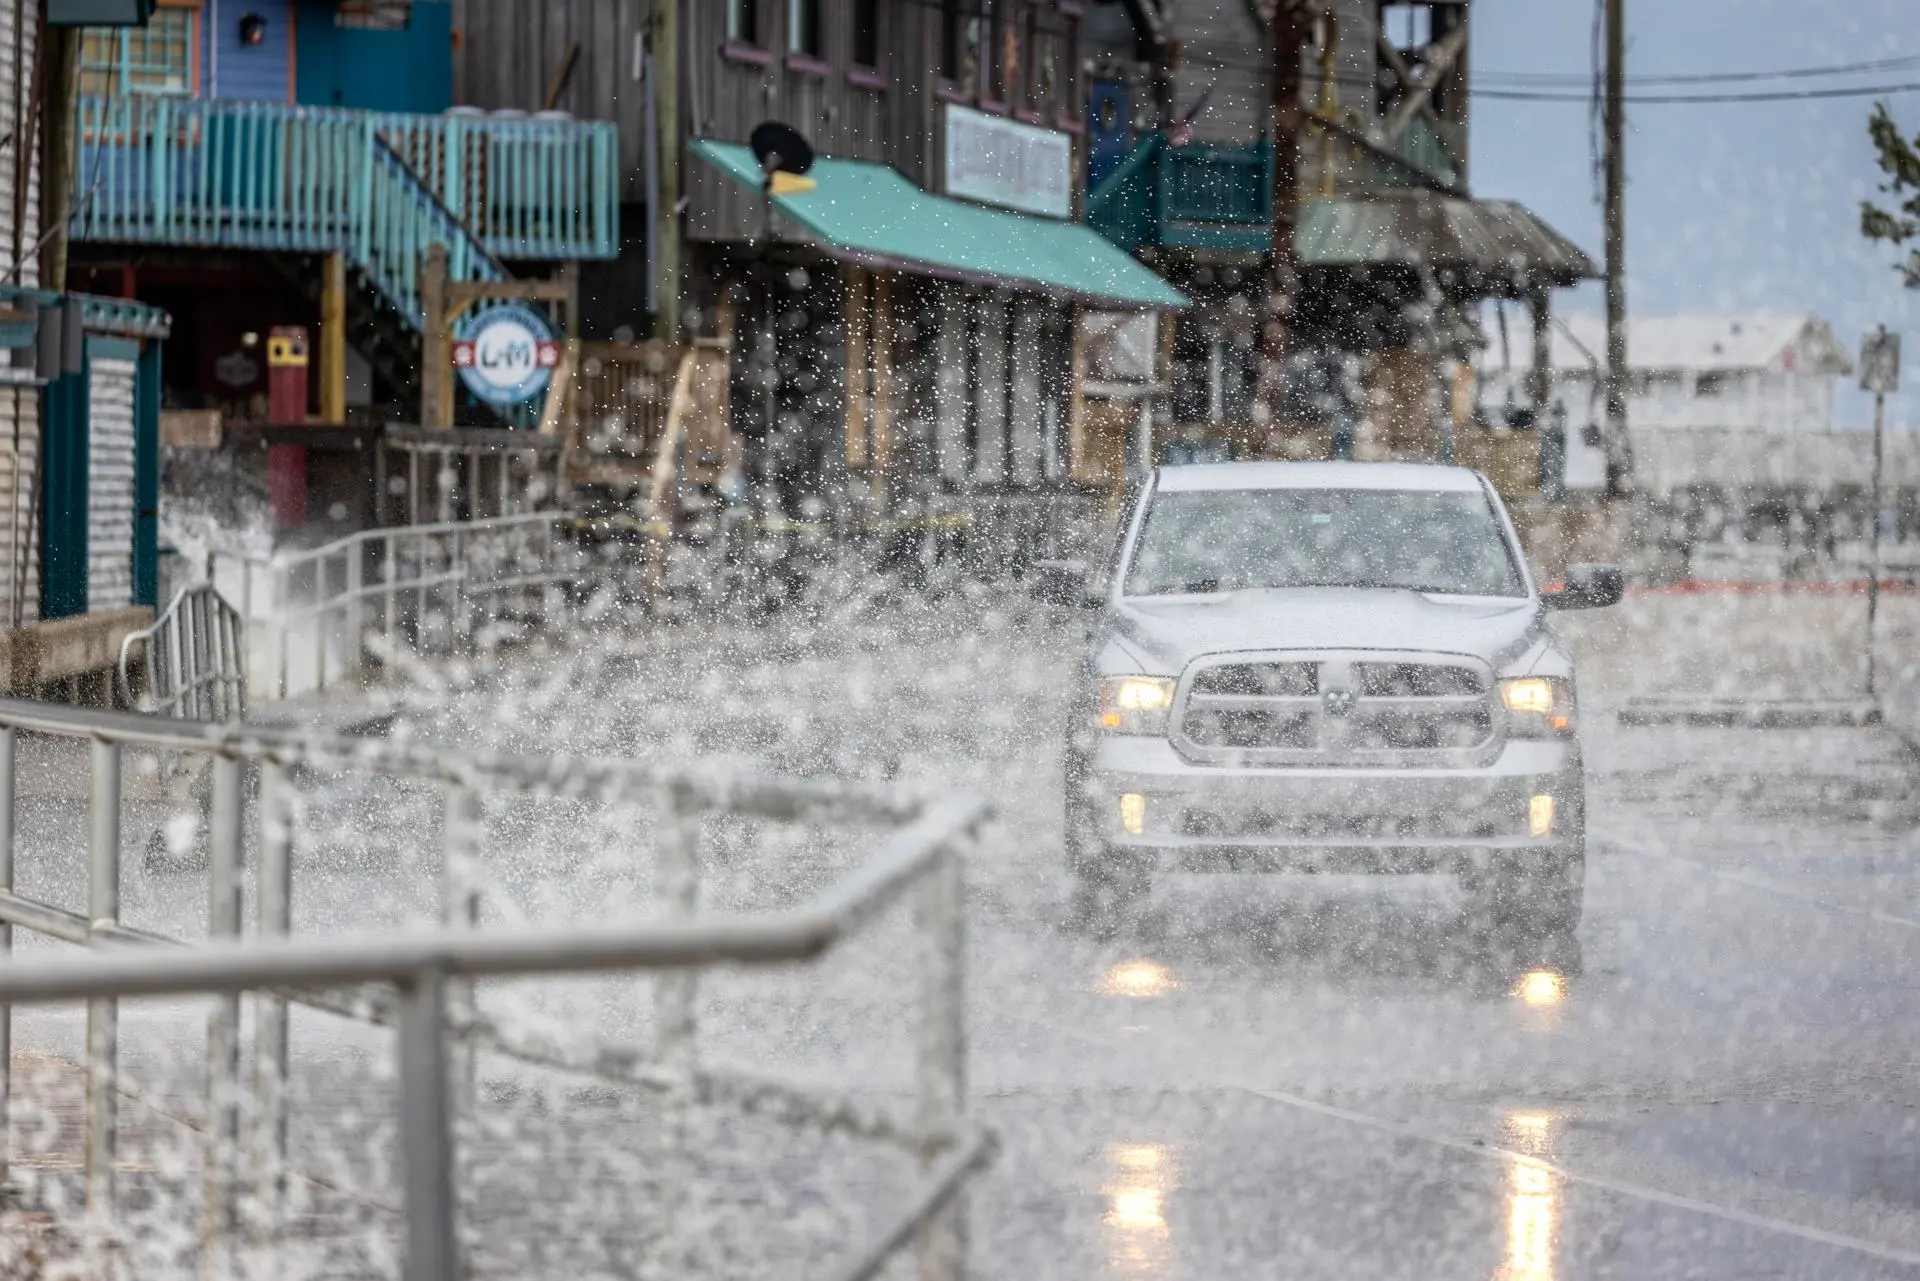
pixel 1336 710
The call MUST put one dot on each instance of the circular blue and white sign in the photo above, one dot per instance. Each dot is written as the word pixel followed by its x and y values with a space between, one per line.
pixel 506 354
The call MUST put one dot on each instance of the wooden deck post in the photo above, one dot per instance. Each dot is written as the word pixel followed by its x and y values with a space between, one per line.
pixel 333 339
pixel 436 401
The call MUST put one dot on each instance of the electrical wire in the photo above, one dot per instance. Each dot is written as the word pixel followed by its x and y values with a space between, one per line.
pixel 1522 86
pixel 1666 99
pixel 1548 79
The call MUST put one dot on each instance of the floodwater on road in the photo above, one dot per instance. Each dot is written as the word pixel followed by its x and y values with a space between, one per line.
pixel 1262 1077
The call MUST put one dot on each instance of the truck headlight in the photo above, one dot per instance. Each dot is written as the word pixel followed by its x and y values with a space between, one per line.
pixel 1538 706
pixel 1135 704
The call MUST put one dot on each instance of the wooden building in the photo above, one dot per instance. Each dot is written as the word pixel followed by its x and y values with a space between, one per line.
pixel 79 409
pixel 1396 255
pixel 912 314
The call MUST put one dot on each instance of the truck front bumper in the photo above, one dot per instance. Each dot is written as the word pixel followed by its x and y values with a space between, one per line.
pixel 1148 808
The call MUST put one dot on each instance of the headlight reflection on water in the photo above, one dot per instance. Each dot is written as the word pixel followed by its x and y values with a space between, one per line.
pixel 1140 1175
pixel 1533 1202
pixel 1138 978
pixel 1541 988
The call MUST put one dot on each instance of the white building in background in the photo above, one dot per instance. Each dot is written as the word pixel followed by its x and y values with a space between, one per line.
pixel 1760 372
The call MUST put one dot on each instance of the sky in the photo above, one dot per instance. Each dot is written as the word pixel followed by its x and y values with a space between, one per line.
pixel 1730 207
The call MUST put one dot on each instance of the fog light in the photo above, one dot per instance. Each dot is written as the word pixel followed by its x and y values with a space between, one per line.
pixel 1133 813
pixel 1539 815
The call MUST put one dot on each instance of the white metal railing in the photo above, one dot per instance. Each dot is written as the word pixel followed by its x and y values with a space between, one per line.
pixel 310 616
pixel 192 660
pixel 437 1022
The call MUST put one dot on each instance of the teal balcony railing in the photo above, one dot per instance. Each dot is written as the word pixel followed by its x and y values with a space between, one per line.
pixel 1198 196
pixel 379 187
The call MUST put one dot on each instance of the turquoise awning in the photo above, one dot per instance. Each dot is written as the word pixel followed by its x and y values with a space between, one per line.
pixel 867 213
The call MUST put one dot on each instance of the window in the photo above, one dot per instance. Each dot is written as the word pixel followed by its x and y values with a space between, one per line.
pixel 803 28
pixel 1710 384
pixel 950 39
pixel 866 33
pixel 1440 542
pixel 154 59
pixel 743 21
pixel 963 30
pixel 994 30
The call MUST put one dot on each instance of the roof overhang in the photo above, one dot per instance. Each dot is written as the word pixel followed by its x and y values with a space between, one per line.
pixel 870 214
pixel 1499 245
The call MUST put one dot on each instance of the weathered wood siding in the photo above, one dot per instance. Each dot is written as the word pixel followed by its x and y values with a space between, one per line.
pixel 109 483
pixel 1222 45
pixel 19 172
pixel 727 96
pixel 510 50
pixel 19 527
pixel 19 406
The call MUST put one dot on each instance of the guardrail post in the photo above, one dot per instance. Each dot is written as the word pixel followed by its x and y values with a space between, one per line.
pixel 268 1183
pixel 282 592
pixel 103 1013
pixel 677 889
pixel 460 909
pixel 942 1054
pixel 387 572
pixel 319 615
pixel 426 1140
pixel 356 555
pixel 8 737
pixel 222 1137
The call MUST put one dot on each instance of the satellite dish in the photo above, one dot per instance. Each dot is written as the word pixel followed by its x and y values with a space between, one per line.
pixel 779 148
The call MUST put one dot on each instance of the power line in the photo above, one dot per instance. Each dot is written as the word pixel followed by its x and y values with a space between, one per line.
pixel 1545 79
pixel 1658 99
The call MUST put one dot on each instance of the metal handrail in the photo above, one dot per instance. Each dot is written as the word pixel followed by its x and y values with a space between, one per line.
pixel 452 564
pixel 193 658
pixel 437 1027
pixel 798 934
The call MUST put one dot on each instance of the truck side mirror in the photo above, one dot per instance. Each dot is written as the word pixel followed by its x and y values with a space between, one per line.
pixel 1587 587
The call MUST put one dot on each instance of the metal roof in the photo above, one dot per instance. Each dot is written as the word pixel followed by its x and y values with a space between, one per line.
pixel 1781 342
pixel 1495 239
pixel 862 212
pixel 1263 475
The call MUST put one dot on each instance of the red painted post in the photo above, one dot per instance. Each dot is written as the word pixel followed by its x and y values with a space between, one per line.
pixel 287 406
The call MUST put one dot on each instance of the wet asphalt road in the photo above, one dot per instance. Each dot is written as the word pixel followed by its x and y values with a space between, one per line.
pixel 1315 1078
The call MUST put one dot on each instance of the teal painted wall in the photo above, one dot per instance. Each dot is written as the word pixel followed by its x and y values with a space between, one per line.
pixel 410 70
pixel 63 495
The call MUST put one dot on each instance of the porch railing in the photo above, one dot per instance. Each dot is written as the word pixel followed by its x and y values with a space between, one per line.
pixel 265 175
pixel 439 1026
pixel 192 661
pixel 310 618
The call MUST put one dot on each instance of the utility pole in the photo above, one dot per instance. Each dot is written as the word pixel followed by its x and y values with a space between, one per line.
pixel 1879 374
pixel 1619 446
pixel 1283 270
pixel 666 218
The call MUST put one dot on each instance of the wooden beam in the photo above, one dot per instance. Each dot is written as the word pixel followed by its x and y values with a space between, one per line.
pixel 333 339
pixel 1076 397
pixel 1419 96
pixel 561 289
pixel 882 370
pixel 554 413
pixel 558 85
pixel 858 322
pixel 436 357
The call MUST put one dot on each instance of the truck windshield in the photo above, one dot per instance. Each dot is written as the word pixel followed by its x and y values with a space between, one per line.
pixel 1229 540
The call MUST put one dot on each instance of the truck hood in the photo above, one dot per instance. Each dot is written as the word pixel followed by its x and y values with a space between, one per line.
pixel 1168 634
